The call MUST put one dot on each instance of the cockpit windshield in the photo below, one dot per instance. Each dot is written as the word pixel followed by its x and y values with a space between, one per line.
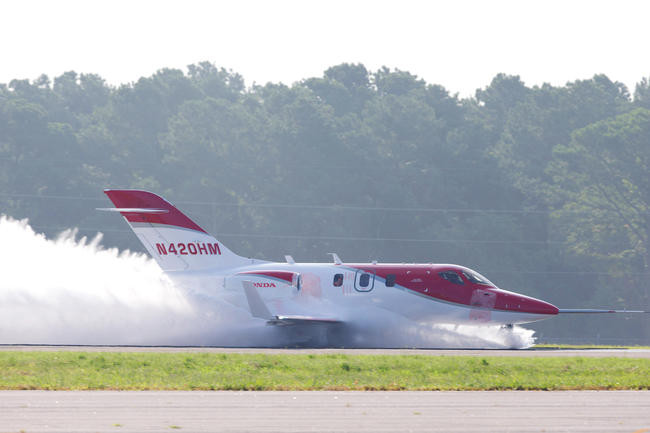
pixel 452 277
pixel 475 277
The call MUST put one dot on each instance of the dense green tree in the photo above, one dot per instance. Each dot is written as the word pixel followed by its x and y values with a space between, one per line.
pixel 642 93
pixel 80 94
pixel 345 87
pixel 216 82
pixel 603 176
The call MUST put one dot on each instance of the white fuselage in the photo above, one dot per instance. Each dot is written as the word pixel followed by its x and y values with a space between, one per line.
pixel 317 294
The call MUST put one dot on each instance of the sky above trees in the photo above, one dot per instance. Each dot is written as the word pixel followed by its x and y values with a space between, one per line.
pixel 461 44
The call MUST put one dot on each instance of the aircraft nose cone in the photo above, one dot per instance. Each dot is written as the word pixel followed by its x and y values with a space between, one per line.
pixel 511 301
pixel 536 306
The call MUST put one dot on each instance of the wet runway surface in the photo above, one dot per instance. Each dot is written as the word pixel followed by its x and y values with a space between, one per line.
pixel 595 353
pixel 330 411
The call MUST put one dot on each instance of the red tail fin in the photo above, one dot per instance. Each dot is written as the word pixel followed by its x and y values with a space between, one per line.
pixel 175 241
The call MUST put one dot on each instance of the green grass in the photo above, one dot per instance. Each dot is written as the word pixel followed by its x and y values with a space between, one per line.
pixel 209 371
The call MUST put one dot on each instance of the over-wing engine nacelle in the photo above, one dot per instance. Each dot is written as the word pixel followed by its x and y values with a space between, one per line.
pixel 265 278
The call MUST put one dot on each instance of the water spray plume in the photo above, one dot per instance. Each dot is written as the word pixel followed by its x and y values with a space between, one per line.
pixel 71 290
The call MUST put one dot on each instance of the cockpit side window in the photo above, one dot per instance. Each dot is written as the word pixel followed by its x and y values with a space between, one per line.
pixel 390 280
pixel 473 277
pixel 452 277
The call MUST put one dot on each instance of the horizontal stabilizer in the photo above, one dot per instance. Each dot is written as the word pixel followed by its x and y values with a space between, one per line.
pixel 133 210
pixel 592 311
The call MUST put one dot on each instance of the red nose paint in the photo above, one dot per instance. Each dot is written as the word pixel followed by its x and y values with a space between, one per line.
pixel 524 304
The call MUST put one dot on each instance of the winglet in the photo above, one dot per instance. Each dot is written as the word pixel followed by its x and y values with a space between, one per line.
pixel 255 303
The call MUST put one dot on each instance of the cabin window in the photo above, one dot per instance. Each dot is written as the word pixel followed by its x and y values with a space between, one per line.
pixel 390 280
pixel 338 280
pixel 452 277
pixel 364 280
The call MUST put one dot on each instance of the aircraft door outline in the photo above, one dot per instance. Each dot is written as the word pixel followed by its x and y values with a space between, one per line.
pixel 364 281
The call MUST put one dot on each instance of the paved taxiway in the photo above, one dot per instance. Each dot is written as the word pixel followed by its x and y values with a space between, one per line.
pixel 194 411
pixel 592 353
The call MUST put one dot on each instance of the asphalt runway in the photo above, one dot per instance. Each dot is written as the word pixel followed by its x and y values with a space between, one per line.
pixel 284 411
pixel 531 353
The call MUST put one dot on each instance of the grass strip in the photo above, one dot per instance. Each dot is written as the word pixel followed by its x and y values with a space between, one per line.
pixel 211 371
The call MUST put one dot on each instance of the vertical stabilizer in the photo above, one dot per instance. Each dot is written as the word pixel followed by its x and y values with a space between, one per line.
pixel 175 241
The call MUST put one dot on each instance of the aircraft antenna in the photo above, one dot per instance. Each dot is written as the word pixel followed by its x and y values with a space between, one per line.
pixel 337 260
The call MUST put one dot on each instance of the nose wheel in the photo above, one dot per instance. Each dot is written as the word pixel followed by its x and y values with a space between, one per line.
pixel 508 333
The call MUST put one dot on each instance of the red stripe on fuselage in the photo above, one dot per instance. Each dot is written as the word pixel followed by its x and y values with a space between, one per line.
pixel 425 280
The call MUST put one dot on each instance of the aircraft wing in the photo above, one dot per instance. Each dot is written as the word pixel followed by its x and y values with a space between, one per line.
pixel 303 320
pixel 259 309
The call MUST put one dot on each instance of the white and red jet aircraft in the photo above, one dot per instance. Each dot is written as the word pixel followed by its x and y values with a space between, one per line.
pixel 320 293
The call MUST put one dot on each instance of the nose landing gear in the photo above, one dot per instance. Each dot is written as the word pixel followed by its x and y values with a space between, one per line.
pixel 510 340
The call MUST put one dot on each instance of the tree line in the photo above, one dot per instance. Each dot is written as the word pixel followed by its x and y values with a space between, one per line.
pixel 544 189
